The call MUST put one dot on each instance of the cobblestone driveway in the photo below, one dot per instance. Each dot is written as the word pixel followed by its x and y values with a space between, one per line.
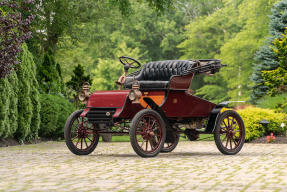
pixel 193 166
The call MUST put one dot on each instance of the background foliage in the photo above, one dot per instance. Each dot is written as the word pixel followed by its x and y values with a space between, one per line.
pixel 75 41
pixel 252 115
pixel 265 58
pixel 14 30
pixel 53 117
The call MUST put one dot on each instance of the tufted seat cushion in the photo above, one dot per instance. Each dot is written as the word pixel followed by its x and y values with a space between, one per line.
pixel 156 75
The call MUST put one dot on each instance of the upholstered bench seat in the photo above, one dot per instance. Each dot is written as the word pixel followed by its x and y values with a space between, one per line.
pixel 156 75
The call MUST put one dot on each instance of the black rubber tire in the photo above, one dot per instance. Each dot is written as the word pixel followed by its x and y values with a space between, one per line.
pixel 133 127
pixel 216 132
pixel 68 141
pixel 171 148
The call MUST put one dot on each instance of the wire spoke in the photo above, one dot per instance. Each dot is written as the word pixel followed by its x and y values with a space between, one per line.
pixel 89 139
pixel 142 143
pixel 77 142
pixel 230 143
pixel 86 142
pixel 224 137
pixel 234 141
pixel 226 142
pixel 74 137
pixel 225 124
pixel 154 121
pixel 151 145
pixel 148 123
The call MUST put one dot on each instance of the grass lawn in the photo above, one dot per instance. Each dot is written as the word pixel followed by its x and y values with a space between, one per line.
pixel 126 138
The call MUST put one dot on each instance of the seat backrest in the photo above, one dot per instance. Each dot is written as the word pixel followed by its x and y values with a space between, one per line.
pixel 163 70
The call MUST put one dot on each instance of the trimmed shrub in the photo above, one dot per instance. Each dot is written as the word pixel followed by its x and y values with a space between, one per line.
pixel 252 116
pixel 28 98
pixel 54 112
pixel 13 107
pixel 35 99
pixel 24 101
pixel 4 107
pixel 19 101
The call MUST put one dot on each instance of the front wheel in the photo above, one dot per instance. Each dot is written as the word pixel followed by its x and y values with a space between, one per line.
pixel 147 133
pixel 80 135
pixel 229 133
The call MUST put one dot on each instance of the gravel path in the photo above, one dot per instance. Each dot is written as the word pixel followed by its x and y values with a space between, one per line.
pixel 193 166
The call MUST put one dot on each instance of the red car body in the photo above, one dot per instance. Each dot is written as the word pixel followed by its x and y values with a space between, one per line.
pixel 173 103
pixel 154 108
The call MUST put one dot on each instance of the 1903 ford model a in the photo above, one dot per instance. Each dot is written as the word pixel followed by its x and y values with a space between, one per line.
pixel 154 108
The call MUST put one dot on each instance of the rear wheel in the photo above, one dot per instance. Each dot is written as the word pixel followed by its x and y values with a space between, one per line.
pixel 170 143
pixel 80 135
pixel 229 134
pixel 147 133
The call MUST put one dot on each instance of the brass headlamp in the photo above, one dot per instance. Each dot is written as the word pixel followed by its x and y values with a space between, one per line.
pixel 135 94
pixel 85 93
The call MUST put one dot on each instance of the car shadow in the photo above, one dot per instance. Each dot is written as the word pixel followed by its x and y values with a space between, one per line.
pixel 180 154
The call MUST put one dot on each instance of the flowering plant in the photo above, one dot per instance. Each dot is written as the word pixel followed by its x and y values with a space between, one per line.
pixel 15 18
pixel 270 138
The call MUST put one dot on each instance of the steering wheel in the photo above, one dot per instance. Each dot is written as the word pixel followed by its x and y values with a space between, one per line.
pixel 129 62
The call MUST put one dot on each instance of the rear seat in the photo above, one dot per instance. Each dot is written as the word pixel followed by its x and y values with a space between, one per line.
pixel 156 75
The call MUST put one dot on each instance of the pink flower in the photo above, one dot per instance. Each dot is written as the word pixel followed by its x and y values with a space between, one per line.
pixel 270 138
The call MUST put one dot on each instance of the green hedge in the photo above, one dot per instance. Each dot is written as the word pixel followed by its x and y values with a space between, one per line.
pixel 253 115
pixel 54 112
pixel 19 101
pixel 20 105
pixel 28 98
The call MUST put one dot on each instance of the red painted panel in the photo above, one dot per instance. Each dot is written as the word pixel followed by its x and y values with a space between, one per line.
pixel 118 111
pixel 130 109
pixel 108 98
pixel 183 104
pixel 180 82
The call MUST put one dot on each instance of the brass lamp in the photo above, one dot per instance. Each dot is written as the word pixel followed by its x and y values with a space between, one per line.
pixel 85 93
pixel 135 94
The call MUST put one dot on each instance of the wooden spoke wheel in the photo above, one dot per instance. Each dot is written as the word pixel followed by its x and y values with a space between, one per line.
pixel 229 133
pixel 170 145
pixel 81 137
pixel 147 133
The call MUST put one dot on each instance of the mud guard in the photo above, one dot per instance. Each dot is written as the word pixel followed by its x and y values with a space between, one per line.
pixel 212 119
pixel 158 109
pixel 214 114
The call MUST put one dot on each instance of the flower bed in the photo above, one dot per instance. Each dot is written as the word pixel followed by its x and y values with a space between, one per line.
pixel 253 115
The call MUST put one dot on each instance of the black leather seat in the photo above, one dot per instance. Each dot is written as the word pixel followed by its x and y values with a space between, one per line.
pixel 156 75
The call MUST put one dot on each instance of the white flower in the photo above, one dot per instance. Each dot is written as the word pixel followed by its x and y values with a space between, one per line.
pixel 282 125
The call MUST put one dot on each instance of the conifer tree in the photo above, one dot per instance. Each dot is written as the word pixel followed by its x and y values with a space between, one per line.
pixel 265 57
pixel 19 97
pixel 4 106
pixel 25 106
pixel 49 75
pixel 34 95
pixel 76 82
pixel 13 109
pixel 78 78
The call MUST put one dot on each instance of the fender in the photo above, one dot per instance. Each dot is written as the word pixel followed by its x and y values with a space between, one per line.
pixel 211 124
pixel 158 109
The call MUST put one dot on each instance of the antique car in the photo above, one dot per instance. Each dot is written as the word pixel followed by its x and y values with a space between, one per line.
pixel 154 105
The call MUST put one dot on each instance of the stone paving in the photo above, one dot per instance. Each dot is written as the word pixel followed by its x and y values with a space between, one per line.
pixel 193 166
